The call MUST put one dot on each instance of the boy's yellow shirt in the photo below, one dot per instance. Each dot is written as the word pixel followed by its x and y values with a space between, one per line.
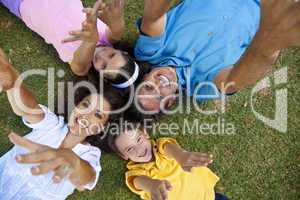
pixel 196 185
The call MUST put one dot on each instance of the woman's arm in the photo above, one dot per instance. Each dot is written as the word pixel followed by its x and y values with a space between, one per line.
pixel 22 101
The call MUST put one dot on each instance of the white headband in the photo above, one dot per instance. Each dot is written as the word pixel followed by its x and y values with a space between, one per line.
pixel 131 80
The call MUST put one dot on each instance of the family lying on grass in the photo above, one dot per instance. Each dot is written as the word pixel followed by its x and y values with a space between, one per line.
pixel 219 42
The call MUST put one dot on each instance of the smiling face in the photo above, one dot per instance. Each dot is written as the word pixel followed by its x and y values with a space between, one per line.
pixel 134 145
pixel 158 89
pixel 89 116
pixel 108 58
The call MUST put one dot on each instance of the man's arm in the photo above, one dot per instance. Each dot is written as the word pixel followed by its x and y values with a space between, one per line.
pixel 279 29
pixel 154 17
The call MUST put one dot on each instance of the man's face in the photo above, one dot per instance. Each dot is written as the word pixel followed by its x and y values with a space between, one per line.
pixel 158 89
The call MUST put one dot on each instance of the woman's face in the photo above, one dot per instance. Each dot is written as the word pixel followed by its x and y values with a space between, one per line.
pixel 89 116
pixel 107 58
pixel 158 89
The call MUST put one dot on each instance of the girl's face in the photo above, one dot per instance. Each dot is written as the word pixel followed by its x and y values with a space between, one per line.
pixel 89 116
pixel 134 145
pixel 107 58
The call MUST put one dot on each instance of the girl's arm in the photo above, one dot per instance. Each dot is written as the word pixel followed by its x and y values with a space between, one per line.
pixel 63 162
pixel 84 55
pixel 22 101
pixel 113 16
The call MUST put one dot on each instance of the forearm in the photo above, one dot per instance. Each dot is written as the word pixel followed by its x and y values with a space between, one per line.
pixel 143 183
pixel 83 58
pixel 115 33
pixel 24 104
pixel 86 173
pixel 254 64
pixel 173 151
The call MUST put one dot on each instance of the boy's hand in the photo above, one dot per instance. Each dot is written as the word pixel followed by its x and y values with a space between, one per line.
pixel 8 75
pixel 188 160
pixel 89 32
pixel 159 189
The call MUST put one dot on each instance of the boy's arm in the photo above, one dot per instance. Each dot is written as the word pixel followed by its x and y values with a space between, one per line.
pixel 22 101
pixel 113 16
pixel 157 188
pixel 154 17
pixel 186 159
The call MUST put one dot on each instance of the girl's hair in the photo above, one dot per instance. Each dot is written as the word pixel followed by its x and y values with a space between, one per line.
pixel 129 68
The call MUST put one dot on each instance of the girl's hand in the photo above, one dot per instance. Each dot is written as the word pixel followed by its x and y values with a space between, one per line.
pixel 89 32
pixel 112 14
pixel 8 74
pixel 188 160
pixel 63 162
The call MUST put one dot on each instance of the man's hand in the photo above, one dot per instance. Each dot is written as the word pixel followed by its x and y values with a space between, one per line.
pixel 89 32
pixel 188 160
pixel 112 14
pixel 280 24
pixel 8 74
pixel 63 162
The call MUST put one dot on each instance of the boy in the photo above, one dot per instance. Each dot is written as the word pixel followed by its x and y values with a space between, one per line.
pixel 161 169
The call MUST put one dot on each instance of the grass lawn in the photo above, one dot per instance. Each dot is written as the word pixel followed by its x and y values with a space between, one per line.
pixel 257 162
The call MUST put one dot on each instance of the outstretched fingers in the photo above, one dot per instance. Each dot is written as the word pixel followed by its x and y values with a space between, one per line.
pixel 23 142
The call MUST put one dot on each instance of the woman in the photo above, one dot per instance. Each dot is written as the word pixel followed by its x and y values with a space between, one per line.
pixel 210 47
pixel 58 159
pixel 56 20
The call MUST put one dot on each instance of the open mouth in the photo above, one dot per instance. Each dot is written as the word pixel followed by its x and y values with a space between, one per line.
pixel 144 154
pixel 164 81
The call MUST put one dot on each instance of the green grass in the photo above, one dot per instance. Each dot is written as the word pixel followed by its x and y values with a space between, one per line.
pixel 255 163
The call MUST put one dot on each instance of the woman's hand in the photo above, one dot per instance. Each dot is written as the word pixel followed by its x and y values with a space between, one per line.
pixel 63 162
pixel 113 16
pixel 8 74
pixel 89 32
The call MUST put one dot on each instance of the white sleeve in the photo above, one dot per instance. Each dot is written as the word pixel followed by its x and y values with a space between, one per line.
pixel 93 158
pixel 50 120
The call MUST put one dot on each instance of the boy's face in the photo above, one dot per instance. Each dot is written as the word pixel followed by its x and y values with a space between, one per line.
pixel 134 145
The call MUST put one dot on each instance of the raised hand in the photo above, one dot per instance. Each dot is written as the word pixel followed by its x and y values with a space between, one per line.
pixel 113 16
pixel 89 31
pixel 63 162
pixel 280 24
pixel 188 160
pixel 8 74
pixel 159 189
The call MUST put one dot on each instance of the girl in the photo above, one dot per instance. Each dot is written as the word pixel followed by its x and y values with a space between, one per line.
pixel 60 155
pixel 54 19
